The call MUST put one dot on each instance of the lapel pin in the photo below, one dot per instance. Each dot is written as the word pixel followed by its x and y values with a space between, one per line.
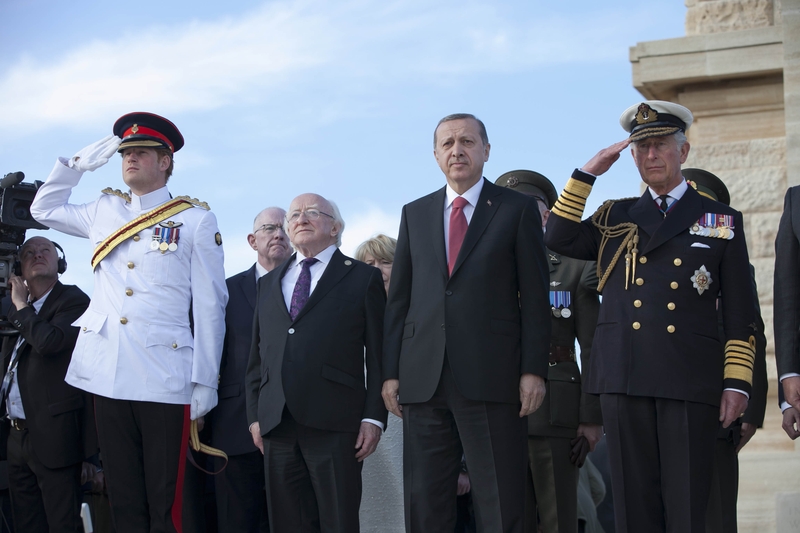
pixel 489 203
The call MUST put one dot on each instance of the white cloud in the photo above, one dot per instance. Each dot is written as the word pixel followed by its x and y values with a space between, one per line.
pixel 338 53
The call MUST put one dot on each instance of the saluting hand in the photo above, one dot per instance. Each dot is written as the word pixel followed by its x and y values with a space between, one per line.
pixel 95 155
pixel 531 393
pixel 606 157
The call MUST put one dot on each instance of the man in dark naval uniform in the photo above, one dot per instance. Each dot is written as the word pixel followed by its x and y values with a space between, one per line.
pixel 568 424
pixel 664 376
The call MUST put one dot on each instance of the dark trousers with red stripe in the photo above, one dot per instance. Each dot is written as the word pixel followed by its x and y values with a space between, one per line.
pixel 143 448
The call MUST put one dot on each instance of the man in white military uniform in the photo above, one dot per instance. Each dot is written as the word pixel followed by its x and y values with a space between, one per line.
pixel 157 262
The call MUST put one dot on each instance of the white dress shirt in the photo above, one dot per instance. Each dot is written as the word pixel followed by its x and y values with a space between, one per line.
pixel 471 196
pixel 14 405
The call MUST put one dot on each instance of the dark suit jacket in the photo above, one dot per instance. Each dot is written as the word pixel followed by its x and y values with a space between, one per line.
pixel 686 364
pixel 314 365
pixel 492 315
pixel 566 405
pixel 229 418
pixel 60 417
pixel 786 304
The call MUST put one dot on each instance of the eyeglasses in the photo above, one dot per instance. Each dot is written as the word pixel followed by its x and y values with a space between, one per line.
pixel 311 214
pixel 269 229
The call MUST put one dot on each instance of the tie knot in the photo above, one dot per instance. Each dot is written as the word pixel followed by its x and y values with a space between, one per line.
pixel 308 261
pixel 460 202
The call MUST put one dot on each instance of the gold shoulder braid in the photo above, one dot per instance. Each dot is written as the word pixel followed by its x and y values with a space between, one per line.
pixel 195 202
pixel 629 243
pixel 116 192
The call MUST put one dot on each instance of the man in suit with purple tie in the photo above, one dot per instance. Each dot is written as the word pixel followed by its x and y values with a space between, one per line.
pixel 316 416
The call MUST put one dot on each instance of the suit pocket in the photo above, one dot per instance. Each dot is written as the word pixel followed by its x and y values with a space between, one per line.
pixel 91 341
pixel 64 406
pixel 505 327
pixel 408 330
pixel 230 391
pixel 338 376
pixel 565 394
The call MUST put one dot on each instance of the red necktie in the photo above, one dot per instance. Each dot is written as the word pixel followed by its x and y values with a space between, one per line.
pixel 458 228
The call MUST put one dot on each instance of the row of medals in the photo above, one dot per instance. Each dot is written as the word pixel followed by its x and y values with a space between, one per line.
pixel 722 232
pixel 163 246
pixel 561 312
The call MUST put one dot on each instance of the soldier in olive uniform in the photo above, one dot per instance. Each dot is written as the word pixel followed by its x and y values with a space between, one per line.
pixel 721 517
pixel 664 375
pixel 568 424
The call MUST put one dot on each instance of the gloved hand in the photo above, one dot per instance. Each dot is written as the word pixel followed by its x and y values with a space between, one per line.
pixel 95 155
pixel 204 399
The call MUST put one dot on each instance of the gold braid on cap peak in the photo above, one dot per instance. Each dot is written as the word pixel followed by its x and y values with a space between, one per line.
pixel 630 243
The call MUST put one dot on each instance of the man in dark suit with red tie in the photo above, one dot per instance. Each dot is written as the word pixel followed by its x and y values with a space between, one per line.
pixel 467 337
pixel 318 324
pixel 241 505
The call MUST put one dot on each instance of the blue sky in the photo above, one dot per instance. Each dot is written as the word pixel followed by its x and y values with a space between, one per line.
pixel 339 98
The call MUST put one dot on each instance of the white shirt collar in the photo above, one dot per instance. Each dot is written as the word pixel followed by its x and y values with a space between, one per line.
pixel 323 257
pixel 150 200
pixel 676 193
pixel 472 194
pixel 37 305
pixel 260 271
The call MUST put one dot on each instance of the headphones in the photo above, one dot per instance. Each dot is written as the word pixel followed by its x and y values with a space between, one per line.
pixel 62 261
pixel 62 258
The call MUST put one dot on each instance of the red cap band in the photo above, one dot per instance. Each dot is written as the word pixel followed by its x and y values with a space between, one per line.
pixel 142 130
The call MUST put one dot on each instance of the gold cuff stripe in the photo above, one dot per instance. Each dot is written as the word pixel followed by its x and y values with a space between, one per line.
pixel 741 353
pixel 564 214
pixel 577 211
pixel 730 360
pixel 573 200
pixel 734 371
pixel 734 342
pixel 578 187
pixel 162 212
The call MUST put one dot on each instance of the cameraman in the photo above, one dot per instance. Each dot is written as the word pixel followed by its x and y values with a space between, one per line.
pixel 49 423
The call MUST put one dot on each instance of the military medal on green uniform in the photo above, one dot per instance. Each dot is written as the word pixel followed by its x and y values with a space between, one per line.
pixel 701 279
pixel 560 302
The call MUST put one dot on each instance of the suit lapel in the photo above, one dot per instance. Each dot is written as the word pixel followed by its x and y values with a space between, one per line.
pixel 334 272
pixel 646 215
pixel 686 211
pixel 553 259
pixel 247 284
pixel 488 202
pixel 436 216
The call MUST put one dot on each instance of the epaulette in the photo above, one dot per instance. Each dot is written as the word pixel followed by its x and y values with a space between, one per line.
pixel 116 192
pixel 195 202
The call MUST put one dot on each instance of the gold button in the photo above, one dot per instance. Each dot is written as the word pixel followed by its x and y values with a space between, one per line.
pixel 136 238
pixel 643 260
pixel 636 325
pixel 637 303
pixel 123 321
pixel 671 329
pixel 674 284
pixel 130 264
pixel 174 344
pixel 84 328
pixel 677 261
pixel 671 306
pixel 129 292
pixel 639 281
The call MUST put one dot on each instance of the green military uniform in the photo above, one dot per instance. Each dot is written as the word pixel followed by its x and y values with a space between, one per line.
pixel 553 477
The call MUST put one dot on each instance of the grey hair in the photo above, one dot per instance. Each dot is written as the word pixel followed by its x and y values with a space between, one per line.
pixel 680 139
pixel 337 218
pixel 463 116
pixel 258 216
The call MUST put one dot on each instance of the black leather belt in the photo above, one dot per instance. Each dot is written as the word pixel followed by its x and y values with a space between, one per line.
pixel 561 354
pixel 20 424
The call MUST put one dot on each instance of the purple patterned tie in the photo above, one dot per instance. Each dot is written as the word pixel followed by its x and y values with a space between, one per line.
pixel 302 288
